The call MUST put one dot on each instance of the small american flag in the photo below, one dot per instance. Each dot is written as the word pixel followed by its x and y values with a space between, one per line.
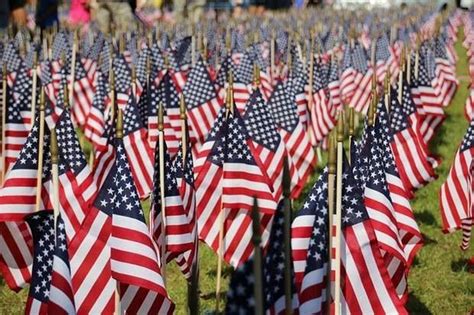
pixel 222 184
pixel 456 193
pixel 202 102
pixel 363 77
pixel 240 296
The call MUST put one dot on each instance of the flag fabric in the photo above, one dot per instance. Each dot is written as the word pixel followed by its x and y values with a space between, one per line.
pixel 202 102
pixel 363 77
pixel 455 196
pixel 222 190
pixel 138 149
pixel 134 260
pixel 94 125
pixel 240 296
pixel 297 142
pixel 82 94
pixel 174 237
pixel 16 254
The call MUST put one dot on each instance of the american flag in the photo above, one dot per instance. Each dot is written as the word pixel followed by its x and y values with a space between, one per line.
pixel 297 142
pixel 166 94
pixel 138 149
pixel 222 189
pixel 202 102
pixel 455 196
pixel 185 181
pixel 243 81
pixel 16 248
pixel 359 255
pixel 61 298
pixel 268 144
pixel 363 78
pixel 95 124
pixel 18 194
pixel 175 237
pixel 123 82
pixel 322 113
pixel 82 94
pixel 77 187
pixel 50 288
pixel 348 85
pixel 408 229
pixel 130 242
pixel 445 71
pixel 240 296
pixel 42 229
pixel 298 80
pixel 383 57
pixel 412 162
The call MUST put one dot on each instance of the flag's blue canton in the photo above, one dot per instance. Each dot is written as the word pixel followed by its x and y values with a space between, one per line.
pixel 131 119
pixel 423 78
pixel 316 204
pixel 125 199
pixel 237 41
pixel 132 48
pixel 155 98
pixel 198 88
pixel 80 72
pixel 353 209
pixel 260 124
pixel 42 229
pixel 157 60
pixel 245 69
pixel 240 296
pixel 230 145
pixel 70 153
pixel 324 72
pixel 168 93
pixel 398 117
pixel 468 141
pixel 11 58
pixel 30 56
pixel 141 65
pixel 122 75
pixel 282 41
pixel 346 59
pixel 183 52
pixel 100 93
pixel 334 72
pixel 257 52
pixel 359 59
pixel 61 243
pixel 318 80
pixel 22 91
pixel 440 49
pixel 430 64
pixel 409 106
pixel 283 109
pixel 382 52
pixel 95 50
pixel 60 46
pixel 223 74
pixel 184 170
pixel 105 58
pixel 28 157
pixel 215 131
pixel 105 200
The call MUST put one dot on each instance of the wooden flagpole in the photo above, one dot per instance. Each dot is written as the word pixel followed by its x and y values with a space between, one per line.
pixel 161 156
pixel 4 115
pixel 220 254
pixel 351 130
pixel 288 280
pixel 118 135
pixel 33 88
pixel 134 81
pixel 337 238
pixel 55 172
pixel 331 199
pixel 386 89
pixel 39 174
pixel 257 260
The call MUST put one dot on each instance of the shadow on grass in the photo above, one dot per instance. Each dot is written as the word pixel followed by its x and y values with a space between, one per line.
pixel 415 306
pixel 460 265
pixel 428 240
pixel 425 217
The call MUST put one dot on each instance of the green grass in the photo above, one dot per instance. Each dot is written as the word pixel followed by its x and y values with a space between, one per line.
pixel 438 282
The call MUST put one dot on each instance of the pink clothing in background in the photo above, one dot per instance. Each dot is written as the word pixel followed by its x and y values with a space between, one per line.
pixel 79 13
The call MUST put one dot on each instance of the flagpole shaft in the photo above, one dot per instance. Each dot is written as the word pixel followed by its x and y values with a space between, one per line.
pixel 4 114
pixel 337 241
pixel 33 95
pixel 220 256
pixel 161 152
pixel 257 260
pixel 184 139
pixel 193 285
pixel 39 174
pixel 288 280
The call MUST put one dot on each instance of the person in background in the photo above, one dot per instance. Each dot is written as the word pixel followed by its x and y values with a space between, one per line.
pixel 79 13
pixel 116 12
pixel 46 13
pixel 14 9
